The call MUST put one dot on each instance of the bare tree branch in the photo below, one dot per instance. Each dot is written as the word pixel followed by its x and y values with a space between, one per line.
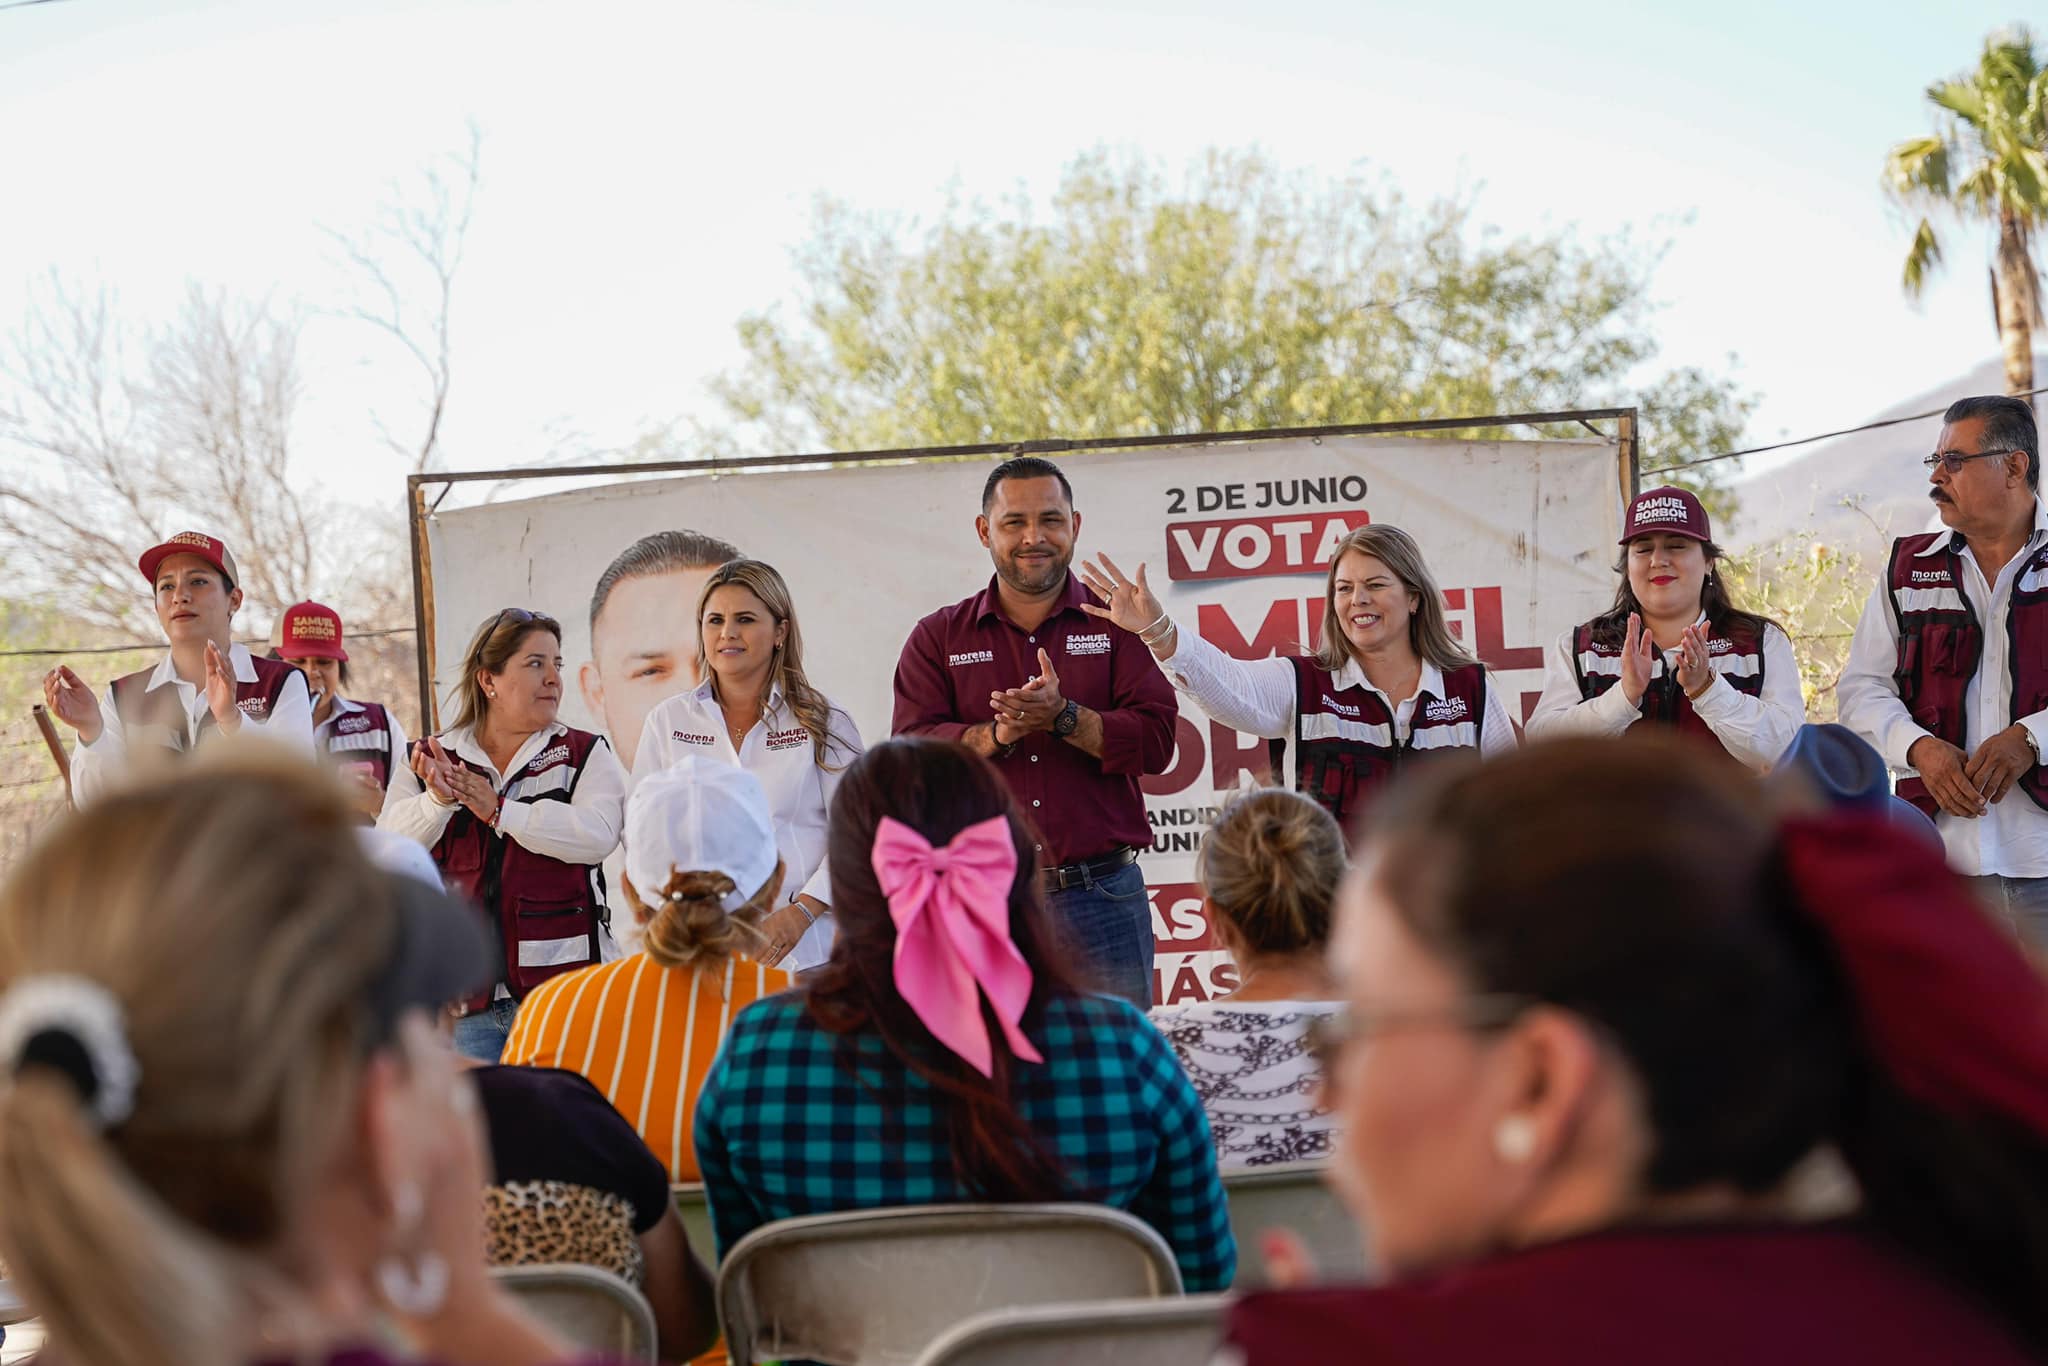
pixel 425 230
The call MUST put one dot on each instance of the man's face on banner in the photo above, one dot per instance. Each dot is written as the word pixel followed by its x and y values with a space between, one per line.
pixel 643 649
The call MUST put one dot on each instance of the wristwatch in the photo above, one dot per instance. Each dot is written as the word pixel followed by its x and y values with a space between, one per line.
pixel 1068 721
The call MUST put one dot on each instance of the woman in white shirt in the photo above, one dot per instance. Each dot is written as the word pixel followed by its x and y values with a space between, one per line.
pixel 1388 686
pixel 755 709
pixel 1269 870
pixel 519 810
pixel 1674 650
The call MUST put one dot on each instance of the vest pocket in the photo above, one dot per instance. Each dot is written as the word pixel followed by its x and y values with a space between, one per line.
pixel 552 932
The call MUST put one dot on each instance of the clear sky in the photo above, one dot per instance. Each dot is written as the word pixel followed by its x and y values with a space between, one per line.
pixel 648 166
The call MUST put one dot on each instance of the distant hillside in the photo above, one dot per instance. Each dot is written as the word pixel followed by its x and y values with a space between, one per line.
pixel 1881 469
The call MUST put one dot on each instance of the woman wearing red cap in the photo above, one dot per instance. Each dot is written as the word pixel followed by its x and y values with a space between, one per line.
pixel 1578 1075
pixel 205 684
pixel 364 738
pixel 1674 650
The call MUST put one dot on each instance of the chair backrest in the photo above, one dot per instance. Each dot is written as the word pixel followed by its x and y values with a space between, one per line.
pixel 695 1212
pixel 875 1287
pixel 1293 1196
pixel 1182 1331
pixel 591 1307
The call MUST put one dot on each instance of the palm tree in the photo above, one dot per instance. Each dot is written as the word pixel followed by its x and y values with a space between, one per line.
pixel 1988 162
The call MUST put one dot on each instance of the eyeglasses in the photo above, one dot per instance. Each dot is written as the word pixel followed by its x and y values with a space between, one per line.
pixel 1328 1034
pixel 1955 460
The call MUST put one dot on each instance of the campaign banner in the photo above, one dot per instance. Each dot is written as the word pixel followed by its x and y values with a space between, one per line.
pixel 1236 536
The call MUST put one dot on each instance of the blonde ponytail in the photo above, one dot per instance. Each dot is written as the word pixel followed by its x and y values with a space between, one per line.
pixel 689 925
pixel 116 1278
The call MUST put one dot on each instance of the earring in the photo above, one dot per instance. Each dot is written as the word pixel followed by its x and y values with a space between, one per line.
pixel 1514 1139
pixel 414 1287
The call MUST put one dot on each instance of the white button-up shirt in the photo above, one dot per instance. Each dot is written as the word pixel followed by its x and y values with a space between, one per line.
pixel 581 830
pixel 1756 730
pixel 779 752
pixel 1257 696
pixel 95 766
pixel 324 737
pixel 2011 838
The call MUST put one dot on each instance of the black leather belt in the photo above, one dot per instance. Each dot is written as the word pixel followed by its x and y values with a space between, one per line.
pixel 1089 870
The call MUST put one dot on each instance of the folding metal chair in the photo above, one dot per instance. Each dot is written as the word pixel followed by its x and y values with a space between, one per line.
pixel 876 1287
pixel 1182 1331
pixel 591 1307
pixel 1293 1196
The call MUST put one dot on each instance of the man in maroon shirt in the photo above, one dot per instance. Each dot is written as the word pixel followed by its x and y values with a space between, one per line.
pixel 1072 711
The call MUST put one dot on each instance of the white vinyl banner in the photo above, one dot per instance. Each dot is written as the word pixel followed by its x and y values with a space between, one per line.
pixel 1236 536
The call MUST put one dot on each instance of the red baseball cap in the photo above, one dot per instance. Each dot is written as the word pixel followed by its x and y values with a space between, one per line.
pixel 197 543
pixel 311 631
pixel 1666 511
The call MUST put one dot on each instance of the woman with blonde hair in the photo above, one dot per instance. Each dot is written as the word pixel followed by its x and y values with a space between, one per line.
pixel 1387 686
pixel 702 873
pixel 756 710
pixel 519 810
pixel 1269 870
pixel 230 1131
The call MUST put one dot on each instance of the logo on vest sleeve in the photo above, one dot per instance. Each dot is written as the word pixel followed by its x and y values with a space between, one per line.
pixel 349 725
pixel 1931 576
pixel 1445 709
pixel 1088 645
pixel 689 737
pixel 967 657
pixel 558 755
pixel 1332 704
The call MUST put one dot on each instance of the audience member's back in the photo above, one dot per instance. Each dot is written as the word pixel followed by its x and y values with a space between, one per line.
pixel 1269 871
pixel 882 1081
pixel 701 870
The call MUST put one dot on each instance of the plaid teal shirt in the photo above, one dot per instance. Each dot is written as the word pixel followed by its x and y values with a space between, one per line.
pixel 784 1130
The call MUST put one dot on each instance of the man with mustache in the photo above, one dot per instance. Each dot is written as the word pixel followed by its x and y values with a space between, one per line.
pixel 1071 712
pixel 1948 673
pixel 205 685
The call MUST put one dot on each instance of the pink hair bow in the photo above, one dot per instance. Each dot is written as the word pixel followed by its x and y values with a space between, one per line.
pixel 952 912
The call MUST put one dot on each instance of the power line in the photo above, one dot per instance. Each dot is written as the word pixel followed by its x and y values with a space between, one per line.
pixel 1808 440
pixel 158 645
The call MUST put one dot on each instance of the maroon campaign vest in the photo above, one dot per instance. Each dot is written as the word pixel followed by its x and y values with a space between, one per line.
pixel 158 718
pixel 362 737
pixel 1736 651
pixel 1941 642
pixel 542 911
pixel 1348 749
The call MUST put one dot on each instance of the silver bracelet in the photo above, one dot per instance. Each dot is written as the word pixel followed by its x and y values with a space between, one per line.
pixel 798 903
pixel 1165 635
pixel 1144 631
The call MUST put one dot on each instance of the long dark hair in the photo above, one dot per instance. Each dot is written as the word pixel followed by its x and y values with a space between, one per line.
pixel 1610 628
pixel 1721 993
pixel 937 789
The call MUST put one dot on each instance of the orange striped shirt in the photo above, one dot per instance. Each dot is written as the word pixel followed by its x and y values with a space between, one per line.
pixel 605 1022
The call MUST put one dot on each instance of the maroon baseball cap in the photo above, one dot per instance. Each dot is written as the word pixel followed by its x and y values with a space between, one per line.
pixel 213 551
pixel 1666 511
pixel 311 631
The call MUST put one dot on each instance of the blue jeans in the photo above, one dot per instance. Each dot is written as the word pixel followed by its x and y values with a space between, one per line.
pixel 1108 927
pixel 481 1034
pixel 2021 902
